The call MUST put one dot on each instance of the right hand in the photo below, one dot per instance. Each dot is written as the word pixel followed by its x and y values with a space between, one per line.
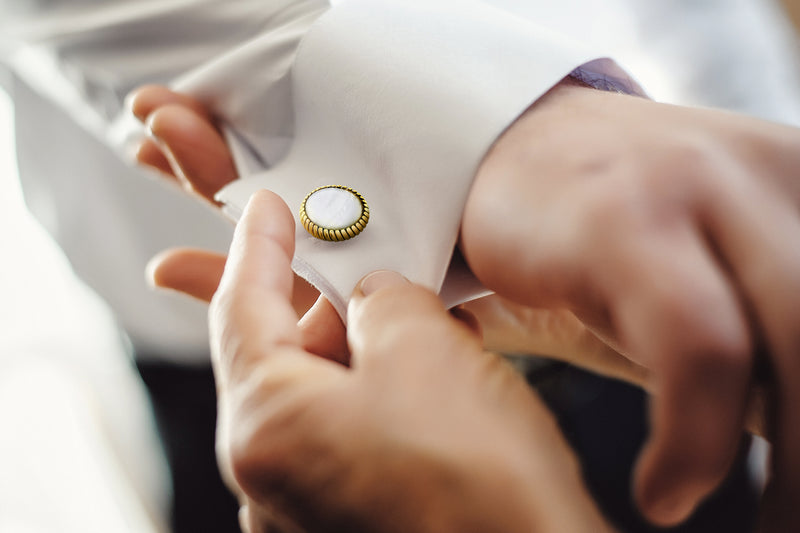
pixel 425 432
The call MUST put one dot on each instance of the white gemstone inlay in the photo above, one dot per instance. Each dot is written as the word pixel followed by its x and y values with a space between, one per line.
pixel 333 208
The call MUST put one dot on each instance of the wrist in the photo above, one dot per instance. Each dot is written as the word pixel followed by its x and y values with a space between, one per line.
pixel 528 177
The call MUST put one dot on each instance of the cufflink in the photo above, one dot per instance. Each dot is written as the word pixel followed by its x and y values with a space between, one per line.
pixel 334 213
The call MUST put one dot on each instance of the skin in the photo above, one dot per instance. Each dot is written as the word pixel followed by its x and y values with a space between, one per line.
pixel 180 128
pixel 312 445
pixel 674 234
pixel 647 216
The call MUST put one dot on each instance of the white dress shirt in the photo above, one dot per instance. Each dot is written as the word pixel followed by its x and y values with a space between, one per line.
pixel 399 100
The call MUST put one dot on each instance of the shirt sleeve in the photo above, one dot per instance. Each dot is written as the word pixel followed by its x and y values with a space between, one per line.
pixel 87 55
pixel 399 100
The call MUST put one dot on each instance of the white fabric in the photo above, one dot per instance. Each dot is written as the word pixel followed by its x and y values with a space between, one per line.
pixel 60 472
pixel 79 450
pixel 410 105
pixel 75 60
pixel 72 62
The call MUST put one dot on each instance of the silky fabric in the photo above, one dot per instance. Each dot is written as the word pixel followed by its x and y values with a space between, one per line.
pixel 73 62
pixel 414 95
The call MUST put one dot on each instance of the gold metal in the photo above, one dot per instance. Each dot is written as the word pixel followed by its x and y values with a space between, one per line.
pixel 335 234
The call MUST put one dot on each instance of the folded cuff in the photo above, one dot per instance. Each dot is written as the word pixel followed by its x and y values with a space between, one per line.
pixel 400 100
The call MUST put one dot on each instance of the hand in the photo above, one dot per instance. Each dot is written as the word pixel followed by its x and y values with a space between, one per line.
pixel 424 432
pixel 183 130
pixel 185 145
pixel 674 234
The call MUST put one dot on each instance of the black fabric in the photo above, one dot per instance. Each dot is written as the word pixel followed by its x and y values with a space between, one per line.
pixel 184 401
pixel 605 421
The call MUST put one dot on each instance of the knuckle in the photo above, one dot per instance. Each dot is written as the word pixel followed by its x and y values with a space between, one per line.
pixel 652 190
pixel 718 357
pixel 609 207
pixel 257 467
pixel 716 341
pixel 723 348
pixel 683 170
pixel 724 352
pixel 163 120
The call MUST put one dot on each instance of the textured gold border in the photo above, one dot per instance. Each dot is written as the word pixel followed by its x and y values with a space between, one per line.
pixel 335 234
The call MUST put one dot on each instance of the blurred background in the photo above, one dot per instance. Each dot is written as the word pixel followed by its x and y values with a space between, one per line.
pixel 80 444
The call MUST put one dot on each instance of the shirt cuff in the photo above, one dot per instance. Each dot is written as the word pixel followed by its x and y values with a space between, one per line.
pixel 400 101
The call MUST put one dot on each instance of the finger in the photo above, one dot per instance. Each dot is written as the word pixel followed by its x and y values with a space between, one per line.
pixel 263 375
pixel 758 233
pixel 677 311
pixel 144 100
pixel 197 273
pixel 304 296
pixel 468 318
pixel 324 333
pixel 192 272
pixel 269 388
pixel 251 313
pixel 149 154
pixel 256 518
pixel 388 315
pixel 509 327
pixel 393 321
pixel 195 149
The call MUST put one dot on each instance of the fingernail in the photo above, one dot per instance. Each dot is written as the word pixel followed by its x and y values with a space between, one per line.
pixel 668 509
pixel 380 279
pixel 148 127
pixel 152 271
pixel 130 98
pixel 671 511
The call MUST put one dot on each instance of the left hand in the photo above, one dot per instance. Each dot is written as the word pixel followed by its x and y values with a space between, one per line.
pixel 184 145
pixel 674 232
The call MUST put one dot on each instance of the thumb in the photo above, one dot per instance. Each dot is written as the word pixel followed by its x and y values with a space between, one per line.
pixel 388 316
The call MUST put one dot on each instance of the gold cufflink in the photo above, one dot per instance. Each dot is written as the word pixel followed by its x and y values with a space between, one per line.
pixel 334 213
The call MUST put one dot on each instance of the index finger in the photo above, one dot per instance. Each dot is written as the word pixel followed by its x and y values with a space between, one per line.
pixel 147 98
pixel 251 314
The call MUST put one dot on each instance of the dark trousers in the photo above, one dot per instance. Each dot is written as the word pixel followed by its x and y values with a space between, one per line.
pixel 184 401
pixel 605 421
